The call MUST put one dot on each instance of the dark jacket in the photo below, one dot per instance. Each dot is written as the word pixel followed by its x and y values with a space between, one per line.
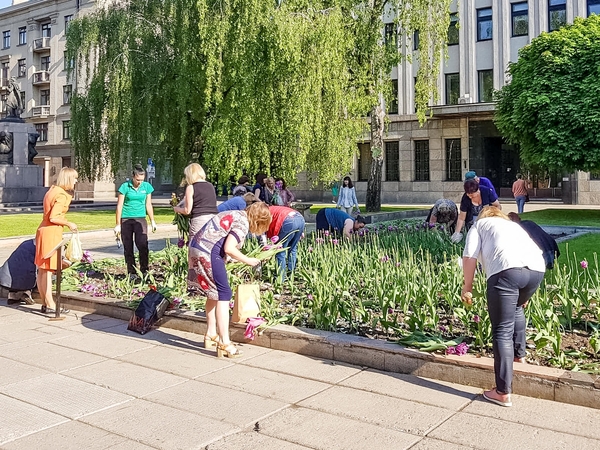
pixel 19 271
pixel 544 241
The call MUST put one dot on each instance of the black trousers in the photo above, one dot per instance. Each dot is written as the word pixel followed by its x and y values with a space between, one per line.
pixel 135 229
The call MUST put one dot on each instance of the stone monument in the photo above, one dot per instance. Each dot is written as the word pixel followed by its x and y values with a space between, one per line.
pixel 20 179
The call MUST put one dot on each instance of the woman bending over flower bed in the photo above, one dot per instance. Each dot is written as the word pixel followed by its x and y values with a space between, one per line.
pixel 287 227
pixel 336 221
pixel 223 236
pixel 514 268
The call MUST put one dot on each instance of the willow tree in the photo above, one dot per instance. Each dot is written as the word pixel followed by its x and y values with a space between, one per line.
pixel 251 85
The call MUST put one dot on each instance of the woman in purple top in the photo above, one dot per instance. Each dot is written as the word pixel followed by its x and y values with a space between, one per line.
pixel 474 199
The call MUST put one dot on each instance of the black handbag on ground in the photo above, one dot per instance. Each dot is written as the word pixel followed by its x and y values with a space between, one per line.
pixel 151 308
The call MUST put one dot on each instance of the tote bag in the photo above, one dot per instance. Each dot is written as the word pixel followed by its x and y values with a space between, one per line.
pixel 74 251
pixel 151 308
pixel 246 302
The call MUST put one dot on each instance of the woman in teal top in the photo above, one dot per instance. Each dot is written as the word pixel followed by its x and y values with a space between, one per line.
pixel 133 204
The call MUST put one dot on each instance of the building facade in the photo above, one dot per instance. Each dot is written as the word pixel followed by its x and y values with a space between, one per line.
pixel 425 163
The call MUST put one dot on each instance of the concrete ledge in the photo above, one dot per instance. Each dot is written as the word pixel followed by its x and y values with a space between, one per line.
pixel 529 380
pixel 381 216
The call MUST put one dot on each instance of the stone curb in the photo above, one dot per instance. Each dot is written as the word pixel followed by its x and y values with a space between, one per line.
pixel 529 380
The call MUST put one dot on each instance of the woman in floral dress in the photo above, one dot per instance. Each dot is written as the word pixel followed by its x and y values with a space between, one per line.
pixel 220 238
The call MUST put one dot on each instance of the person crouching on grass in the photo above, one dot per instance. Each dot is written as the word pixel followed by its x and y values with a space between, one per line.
pixel 514 268
pixel 222 237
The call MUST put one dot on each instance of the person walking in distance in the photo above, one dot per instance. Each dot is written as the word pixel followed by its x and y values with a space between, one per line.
pixel 134 202
pixel 519 190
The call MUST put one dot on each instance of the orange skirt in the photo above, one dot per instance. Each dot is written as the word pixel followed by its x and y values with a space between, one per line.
pixel 46 238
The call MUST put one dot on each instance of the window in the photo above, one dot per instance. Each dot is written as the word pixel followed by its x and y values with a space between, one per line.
pixel 453 158
pixel 45 63
pixel 557 14
pixel 6 39
pixel 416 40
pixel 520 19
pixel 593 7
pixel 485 85
pixel 453 29
pixel 22 35
pixel 393 106
pixel 5 70
pixel 364 161
pixel 390 34
pixel 67 93
pixel 44 97
pixel 484 24
pixel 68 63
pixel 42 130
pixel 68 20
pixel 452 88
pixel 23 98
pixel 392 161
pixel 421 160
pixel 22 67
pixel 46 30
pixel 66 129
pixel 3 98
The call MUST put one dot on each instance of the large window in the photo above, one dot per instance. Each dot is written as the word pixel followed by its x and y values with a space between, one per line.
pixel 421 160
pixel 453 29
pixel 68 63
pixel 484 24
pixel 485 85
pixel 520 19
pixel 45 63
pixel 23 99
pixel 452 88
pixel 42 130
pixel 67 93
pixel 22 35
pixel 22 67
pixel 6 39
pixel 46 30
pixel 392 161
pixel 390 34
pixel 557 14
pixel 68 20
pixel 593 7
pixel 393 106
pixel 416 40
pixel 3 98
pixel 453 158
pixel 5 70
pixel 364 161
pixel 66 129
pixel 44 97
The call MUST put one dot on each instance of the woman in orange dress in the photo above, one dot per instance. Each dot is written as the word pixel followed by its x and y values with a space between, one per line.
pixel 49 233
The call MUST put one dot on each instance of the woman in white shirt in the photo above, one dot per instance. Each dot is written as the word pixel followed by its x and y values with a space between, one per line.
pixel 347 198
pixel 514 268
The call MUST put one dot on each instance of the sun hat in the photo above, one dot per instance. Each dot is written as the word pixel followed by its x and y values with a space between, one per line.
pixel 470 175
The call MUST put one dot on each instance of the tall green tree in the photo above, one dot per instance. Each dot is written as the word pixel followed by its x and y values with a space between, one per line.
pixel 261 85
pixel 551 106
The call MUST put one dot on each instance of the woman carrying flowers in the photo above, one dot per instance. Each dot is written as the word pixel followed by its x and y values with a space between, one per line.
pixel 220 238
pixel 286 228
pixel 514 268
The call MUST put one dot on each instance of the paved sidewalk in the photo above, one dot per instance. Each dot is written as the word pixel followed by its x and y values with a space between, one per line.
pixel 86 382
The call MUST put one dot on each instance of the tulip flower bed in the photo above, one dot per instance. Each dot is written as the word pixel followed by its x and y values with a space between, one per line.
pixel 399 281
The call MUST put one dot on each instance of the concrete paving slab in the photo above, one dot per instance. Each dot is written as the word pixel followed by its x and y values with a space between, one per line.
pixel 21 419
pixel 160 426
pixel 303 366
pixel 90 325
pixel 227 405
pixel 432 392
pixel 178 362
pixel 495 434
pixel 539 413
pixel 72 435
pixel 252 440
pixel 265 383
pixel 435 444
pixel 324 431
pixel 12 334
pixel 15 371
pixel 377 409
pixel 48 356
pixel 65 396
pixel 191 341
pixel 103 344
pixel 124 377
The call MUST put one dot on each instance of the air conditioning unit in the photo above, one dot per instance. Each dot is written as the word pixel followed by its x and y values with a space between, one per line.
pixel 464 99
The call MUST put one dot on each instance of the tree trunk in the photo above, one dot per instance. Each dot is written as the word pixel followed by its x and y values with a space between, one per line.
pixel 374 183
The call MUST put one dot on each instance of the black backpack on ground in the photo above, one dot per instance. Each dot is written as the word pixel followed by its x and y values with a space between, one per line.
pixel 151 308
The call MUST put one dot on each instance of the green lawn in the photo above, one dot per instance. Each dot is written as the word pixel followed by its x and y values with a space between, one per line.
pixel 575 217
pixel 583 247
pixel 315 209
pixel 26 224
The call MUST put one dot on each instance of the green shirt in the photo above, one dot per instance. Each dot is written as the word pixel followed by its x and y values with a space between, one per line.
pixel 134 206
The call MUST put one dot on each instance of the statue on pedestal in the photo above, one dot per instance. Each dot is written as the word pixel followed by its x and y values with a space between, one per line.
pixel 14 106
pixel 6 147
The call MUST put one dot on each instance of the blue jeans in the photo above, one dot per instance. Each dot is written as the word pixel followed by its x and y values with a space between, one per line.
pixel 520 199
pixel 507 292
pixel 292 227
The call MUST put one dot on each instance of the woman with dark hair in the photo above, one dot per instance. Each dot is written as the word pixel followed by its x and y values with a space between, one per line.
pixel 474 199
pixel 259 187
pixel 133 204
pixel 347 197
pixel 286 196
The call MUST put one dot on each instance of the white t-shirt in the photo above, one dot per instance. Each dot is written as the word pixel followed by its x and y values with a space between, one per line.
pixel 500 244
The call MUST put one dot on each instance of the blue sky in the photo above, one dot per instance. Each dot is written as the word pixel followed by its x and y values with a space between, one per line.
pixel 5 3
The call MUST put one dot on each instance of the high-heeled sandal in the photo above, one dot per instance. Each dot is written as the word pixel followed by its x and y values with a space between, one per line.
pixel 210 341
pixel 230 350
